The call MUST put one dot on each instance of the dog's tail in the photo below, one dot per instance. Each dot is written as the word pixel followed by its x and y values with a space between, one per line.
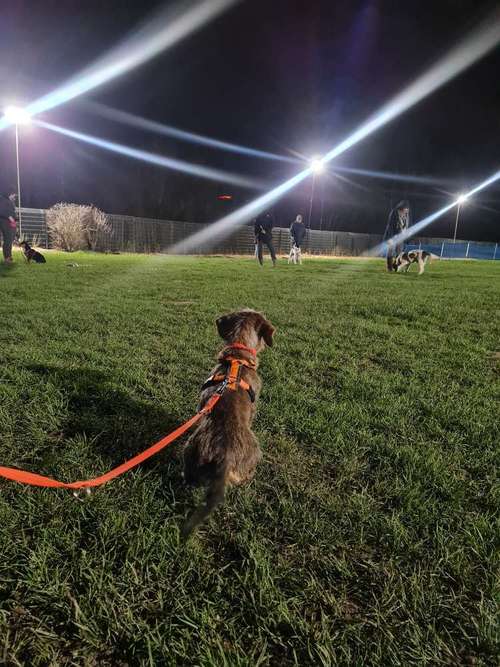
pixel 214 496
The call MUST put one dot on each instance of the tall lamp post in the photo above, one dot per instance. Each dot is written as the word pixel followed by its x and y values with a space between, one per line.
pixel 461 199
pixel 18 116
pixel 317 166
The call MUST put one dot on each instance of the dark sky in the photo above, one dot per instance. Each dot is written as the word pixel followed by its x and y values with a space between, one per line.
pixel 278 75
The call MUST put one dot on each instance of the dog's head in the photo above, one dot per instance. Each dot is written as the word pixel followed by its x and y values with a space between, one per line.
pixel 24 245
pixel 247 327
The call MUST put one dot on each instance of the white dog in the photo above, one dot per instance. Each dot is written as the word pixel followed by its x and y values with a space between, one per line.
pixel 406 259
pixel 295 256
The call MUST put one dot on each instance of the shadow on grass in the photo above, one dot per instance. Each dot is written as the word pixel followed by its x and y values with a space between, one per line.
pixel 7 270
pixel 115 426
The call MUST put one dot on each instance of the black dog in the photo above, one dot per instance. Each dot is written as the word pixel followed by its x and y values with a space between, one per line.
pixel 31 254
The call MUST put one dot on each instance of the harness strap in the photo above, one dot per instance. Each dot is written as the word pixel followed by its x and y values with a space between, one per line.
pixel 232 379
pixel 240 346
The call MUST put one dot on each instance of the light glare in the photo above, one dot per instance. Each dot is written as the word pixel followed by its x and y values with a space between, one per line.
pixel 183 135
pixel 317 165
pixel 17 116
pixel 162 31
pixel 160 160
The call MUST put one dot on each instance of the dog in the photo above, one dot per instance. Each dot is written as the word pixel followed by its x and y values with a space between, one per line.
pixel 404 260
pixel 30 254
pixel 295 256
pixel 223 450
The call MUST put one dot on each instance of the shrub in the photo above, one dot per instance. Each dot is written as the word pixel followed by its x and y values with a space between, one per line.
pixel 74 227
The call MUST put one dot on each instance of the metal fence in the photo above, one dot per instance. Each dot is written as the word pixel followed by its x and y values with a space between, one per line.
pixel 449 249
pixel 34 227
pixel 145 235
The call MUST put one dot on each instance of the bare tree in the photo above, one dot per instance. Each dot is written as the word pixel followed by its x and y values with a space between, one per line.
pixel 73 227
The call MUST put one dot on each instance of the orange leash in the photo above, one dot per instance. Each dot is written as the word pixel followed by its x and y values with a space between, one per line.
pixel 24 477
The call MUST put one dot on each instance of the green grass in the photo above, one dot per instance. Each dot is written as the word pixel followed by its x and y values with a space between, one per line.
pixel 369 534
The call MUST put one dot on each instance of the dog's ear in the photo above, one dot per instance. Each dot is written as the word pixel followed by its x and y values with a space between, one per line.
pixel 266 331
pixel 225 325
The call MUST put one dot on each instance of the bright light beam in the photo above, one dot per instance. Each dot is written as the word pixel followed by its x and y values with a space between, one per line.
pixel 421 224
pixel 167 130
pixel 475 46
pixel 391 176
pixel 163 30
pixel 317 165
pixel 160 160
pixel 218 230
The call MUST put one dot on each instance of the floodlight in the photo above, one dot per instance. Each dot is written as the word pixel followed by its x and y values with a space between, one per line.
pixel 461 199
pixel 17 116
pixel 317 165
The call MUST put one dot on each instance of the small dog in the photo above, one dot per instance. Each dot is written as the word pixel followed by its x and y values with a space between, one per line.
pixel 404 260
pixel 295 256
pixel 223 449
pixel 30 254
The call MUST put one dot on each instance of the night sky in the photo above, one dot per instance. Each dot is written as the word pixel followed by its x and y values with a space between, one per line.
pixel 287 76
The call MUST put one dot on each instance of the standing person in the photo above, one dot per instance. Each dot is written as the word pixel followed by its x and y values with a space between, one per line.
pixel 7 225
pixel 297 233
pixel 263 228
pixel 399 221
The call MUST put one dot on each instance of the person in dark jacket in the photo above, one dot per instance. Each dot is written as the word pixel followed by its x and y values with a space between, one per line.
pixel 298 231
pixel 263 228
pixel 399 221
pixel 297 234
pixel 7 225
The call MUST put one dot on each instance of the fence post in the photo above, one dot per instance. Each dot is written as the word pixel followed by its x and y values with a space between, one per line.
pixel 495 251
pixel 420 245
pixel 442 249
pixel 467 251
pixel 46 229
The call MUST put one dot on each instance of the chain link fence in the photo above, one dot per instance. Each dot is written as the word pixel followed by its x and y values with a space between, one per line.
pixel 145 235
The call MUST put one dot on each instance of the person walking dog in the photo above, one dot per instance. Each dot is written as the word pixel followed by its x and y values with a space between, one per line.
pixel 263 229
pixel 399 221
pixel 297 234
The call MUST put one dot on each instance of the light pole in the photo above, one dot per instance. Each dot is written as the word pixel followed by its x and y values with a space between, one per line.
pixel 460 200
pixel 317 166
pixel 18 116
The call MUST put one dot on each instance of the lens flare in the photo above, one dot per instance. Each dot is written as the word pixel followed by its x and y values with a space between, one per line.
pixel 218 230
pixel 160 32
pixel 17 116
pixel 468 51
pixel 317 165
pixel 167 130
pixel 160 160
pixel 477 45
pixel 392 176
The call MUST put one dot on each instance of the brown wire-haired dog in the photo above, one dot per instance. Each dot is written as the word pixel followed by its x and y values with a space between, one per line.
pixel 223 449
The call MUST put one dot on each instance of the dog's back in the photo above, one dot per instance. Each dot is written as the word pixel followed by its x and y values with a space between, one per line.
pixel 222 451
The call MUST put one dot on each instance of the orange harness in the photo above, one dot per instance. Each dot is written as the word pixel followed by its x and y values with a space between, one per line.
pixel 231 379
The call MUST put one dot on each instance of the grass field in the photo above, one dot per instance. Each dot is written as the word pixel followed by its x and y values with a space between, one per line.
pixel 369 534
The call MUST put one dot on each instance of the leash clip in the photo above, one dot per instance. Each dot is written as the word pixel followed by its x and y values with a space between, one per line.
pixel 223 386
